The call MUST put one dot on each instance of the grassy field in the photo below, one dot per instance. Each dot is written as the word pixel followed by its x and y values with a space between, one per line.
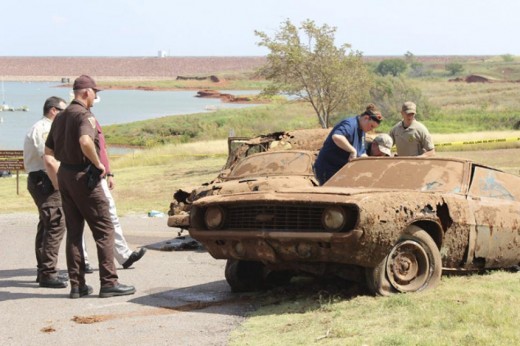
pixel 467 310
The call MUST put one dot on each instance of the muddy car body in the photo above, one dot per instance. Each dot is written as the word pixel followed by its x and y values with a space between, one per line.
pixel 239 148
pixel 257 172
pixel 394 223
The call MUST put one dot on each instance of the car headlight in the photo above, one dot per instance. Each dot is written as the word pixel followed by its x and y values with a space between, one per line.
pixel 214 217
pixel 333 218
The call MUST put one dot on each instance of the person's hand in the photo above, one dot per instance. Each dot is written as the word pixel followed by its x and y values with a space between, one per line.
pixel 352 155
pixel 102 168
pixel 111 182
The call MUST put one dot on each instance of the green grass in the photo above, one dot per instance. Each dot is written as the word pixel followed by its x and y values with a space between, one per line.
pixel 145 179
pixel 248 122
pixel 469 310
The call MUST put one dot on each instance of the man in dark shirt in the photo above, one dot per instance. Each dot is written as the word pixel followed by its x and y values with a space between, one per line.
pixel 346 141
pixel 73 140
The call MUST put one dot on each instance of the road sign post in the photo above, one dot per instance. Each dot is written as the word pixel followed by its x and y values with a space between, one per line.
pixel 12 160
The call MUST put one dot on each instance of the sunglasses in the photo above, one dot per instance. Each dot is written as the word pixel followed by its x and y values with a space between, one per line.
pixel 375 116
pixel 58 108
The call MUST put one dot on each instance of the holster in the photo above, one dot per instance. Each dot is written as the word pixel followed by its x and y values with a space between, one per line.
pixel 93 176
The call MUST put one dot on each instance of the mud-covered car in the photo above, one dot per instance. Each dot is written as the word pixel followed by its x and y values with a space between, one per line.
pixel 240 148
pixel 258 172
pixel 392 223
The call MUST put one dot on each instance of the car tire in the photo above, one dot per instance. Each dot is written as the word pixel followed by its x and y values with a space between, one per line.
pixel 244 276
pixel 413 264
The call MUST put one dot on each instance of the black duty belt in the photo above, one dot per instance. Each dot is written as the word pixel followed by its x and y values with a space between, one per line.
pixel 75 168
pixel 37 174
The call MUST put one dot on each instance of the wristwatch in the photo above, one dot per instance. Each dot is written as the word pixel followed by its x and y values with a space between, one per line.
pixel 110 174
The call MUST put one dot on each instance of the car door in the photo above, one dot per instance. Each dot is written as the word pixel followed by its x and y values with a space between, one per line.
pixel 495 199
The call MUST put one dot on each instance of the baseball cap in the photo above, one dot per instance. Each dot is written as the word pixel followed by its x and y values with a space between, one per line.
pixel 385 143
pixel 85 82
pixel 409 107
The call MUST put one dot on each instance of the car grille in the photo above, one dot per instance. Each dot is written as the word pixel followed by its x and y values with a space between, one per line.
pixel 301 218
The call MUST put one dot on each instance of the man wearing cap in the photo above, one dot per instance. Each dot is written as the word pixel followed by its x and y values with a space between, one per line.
pixel 73 140
pixel 380 146
pixel 346 141
pixel 411 137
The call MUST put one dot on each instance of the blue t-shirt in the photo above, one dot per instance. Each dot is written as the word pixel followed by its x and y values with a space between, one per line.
pixel 331 157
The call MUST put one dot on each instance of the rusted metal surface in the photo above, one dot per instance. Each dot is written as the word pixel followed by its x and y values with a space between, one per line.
pixel 496 197
pixel 258 172
pixel 471 212
pixel 307 139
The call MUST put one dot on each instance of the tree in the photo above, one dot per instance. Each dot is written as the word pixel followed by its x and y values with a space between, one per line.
pixel 312 68
pixel 392 67
pixel 454 68
pixel 389 93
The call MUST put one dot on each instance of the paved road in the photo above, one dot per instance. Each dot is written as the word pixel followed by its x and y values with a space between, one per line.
pixel 182 297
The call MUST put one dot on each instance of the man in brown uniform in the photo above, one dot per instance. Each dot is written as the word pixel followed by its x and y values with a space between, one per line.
pixel 73 140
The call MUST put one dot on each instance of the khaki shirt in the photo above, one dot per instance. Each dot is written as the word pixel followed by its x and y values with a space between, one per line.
pixel 412 141
pixel 34 145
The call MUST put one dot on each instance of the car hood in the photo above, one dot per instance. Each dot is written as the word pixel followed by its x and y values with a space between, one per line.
pixel 311 194
pixel 260 184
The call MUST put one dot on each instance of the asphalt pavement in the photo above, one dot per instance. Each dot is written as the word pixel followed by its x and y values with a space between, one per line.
pixel 182 297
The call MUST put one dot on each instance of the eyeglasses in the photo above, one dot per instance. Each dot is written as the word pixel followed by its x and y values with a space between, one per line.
pixel 58 108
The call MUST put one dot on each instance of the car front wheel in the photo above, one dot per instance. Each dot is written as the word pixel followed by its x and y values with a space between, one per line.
pixel 244 276
pixel 414 264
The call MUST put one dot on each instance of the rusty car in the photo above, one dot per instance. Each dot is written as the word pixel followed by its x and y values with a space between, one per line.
pixel 239 148
pixel 393 224
pixel 258 172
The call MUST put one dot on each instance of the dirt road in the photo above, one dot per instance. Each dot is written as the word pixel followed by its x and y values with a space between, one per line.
pixel 182 297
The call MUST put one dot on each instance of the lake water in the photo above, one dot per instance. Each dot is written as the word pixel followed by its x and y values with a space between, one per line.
pixel 116 106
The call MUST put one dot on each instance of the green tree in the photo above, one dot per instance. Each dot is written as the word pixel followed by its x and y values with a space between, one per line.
pixel 305 62
pixel 454 68
pixel 392 67
pixel 389 93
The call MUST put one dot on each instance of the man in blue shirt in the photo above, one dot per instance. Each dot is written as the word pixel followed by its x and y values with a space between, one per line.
pixel 345 142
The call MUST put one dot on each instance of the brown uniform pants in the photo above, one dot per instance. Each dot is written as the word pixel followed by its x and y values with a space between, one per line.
pixel 51 224
pixel 81 204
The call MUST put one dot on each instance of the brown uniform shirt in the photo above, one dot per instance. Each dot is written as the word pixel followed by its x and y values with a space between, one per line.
pixel 74 122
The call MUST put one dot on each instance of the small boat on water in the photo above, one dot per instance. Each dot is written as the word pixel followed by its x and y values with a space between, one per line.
pixel 5 108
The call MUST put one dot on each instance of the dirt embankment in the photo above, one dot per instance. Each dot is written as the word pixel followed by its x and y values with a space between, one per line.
pixel 120 68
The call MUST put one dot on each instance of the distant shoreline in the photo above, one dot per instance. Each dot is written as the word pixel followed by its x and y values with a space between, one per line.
pixel 53 69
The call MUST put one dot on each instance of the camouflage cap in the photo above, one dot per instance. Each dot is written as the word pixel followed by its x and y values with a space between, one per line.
pixel 409 107
pixel 385 143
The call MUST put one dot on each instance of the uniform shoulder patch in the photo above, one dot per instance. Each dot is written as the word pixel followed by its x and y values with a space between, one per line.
pixel 92 122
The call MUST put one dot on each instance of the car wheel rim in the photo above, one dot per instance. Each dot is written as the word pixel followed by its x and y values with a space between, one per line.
pixel 407 267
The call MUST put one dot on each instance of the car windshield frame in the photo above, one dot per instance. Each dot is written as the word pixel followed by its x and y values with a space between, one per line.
pixel 274 163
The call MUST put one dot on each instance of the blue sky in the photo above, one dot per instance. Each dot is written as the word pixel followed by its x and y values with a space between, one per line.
pixel 226 27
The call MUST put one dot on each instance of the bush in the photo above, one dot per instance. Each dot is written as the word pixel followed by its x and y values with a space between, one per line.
pixel 454 68
pixel 392 67
pixel 389 94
